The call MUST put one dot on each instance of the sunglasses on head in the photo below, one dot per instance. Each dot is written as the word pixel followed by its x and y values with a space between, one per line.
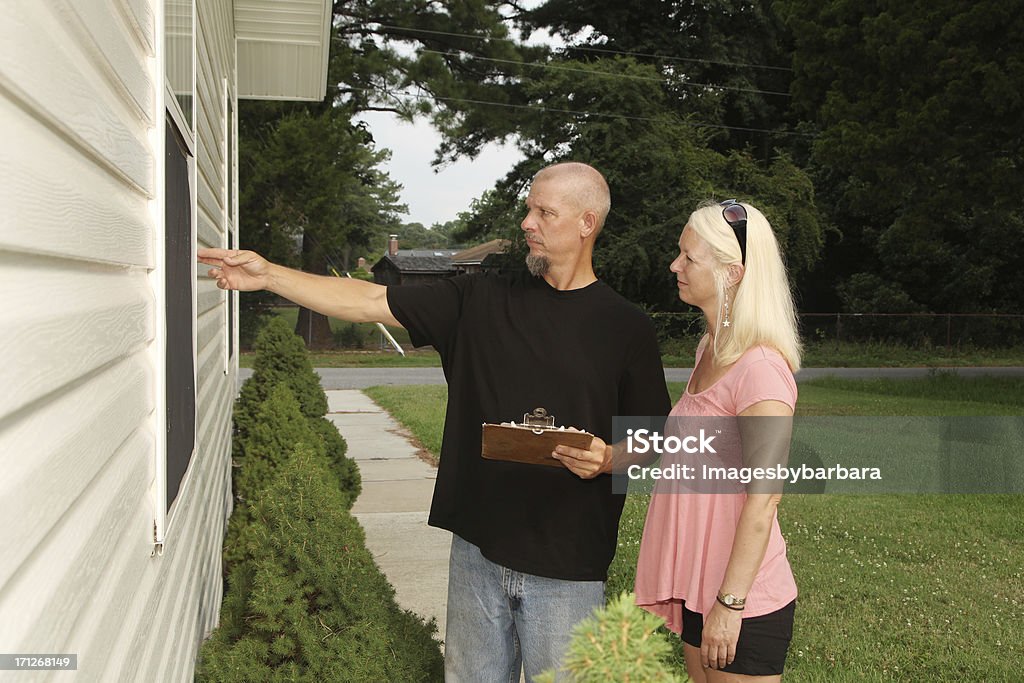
pixel 736 216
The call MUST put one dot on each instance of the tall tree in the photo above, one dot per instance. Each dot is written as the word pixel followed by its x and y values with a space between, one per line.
pixel 311 189
pixel 659 165
pixel 917 161
pixel 724 61
pixel 441 59
pixel 311 176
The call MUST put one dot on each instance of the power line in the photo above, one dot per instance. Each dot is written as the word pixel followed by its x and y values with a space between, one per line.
pixel 624 53
pixel 558 67
pixel 540 108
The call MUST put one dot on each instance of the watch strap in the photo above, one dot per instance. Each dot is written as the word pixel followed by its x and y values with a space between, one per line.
pixel 730 601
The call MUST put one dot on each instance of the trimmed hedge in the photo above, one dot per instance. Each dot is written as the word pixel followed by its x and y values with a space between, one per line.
pixel 278 429
pixel 304 600
pixel 345 468
pixel 307 602
pixel 278 426
pixel 282 359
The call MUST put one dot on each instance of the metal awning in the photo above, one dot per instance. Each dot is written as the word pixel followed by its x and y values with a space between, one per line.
pixel 283 47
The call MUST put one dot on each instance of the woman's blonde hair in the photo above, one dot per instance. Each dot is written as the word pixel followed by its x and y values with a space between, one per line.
pixel 761 310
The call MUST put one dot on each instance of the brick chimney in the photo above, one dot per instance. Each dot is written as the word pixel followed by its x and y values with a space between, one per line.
pixel 392 245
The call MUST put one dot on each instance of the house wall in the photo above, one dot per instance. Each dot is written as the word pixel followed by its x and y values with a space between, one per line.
pixel 423 278
pixel 385 273
pixel 79 98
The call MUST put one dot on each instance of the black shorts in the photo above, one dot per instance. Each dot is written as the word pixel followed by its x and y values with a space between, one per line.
pixel 762 645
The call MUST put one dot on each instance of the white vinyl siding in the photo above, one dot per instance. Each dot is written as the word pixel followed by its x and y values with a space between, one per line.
pixel 283 48
pixel 79 103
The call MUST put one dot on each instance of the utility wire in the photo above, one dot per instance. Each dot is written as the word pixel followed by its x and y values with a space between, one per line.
pixel 557 67
pixel 624 53
pixel 398 96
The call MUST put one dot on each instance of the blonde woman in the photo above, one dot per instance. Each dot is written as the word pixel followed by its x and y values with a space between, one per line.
pixel 714 564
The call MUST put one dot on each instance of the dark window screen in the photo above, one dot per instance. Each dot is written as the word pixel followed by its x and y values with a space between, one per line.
pixel 181 390
pixel 230 223
pixel 231 306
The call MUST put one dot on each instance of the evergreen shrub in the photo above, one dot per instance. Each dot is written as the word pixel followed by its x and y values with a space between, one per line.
pixel 335 448
pixel 618 643
pixel 279 426
pixel 350 337
pixel 281 356
pixel 307 602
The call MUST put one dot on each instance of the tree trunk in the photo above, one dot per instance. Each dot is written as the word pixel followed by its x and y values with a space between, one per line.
pixel 313 327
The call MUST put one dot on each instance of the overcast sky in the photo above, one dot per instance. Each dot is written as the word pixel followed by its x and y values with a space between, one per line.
pixel 440 197
pixel 434 197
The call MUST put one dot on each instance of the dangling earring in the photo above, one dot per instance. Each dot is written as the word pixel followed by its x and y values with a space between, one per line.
pixel 725 318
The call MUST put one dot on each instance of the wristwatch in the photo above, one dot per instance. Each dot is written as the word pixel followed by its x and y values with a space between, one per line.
pixel 731 601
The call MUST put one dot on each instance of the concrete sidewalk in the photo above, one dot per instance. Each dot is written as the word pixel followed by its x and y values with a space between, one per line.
pixel 393 506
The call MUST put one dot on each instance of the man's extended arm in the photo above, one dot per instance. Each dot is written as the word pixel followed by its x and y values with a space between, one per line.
pixel 344 298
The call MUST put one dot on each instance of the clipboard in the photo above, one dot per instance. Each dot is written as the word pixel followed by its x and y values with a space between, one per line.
pixel 532 441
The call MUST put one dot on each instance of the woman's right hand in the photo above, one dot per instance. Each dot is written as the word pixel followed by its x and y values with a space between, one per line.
pixel 720 635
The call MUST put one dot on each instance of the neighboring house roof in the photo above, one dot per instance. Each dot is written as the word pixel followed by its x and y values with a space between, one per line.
pixel 419 260
pixel 427 253
pixel 282 49
pixel 476 255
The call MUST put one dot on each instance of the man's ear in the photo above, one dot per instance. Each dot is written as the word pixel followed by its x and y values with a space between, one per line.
pixel 589 224
pixel 734 273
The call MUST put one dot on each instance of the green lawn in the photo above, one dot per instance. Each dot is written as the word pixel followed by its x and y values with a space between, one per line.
pixel 894 587
pixel 420 408
pixel 875 355
pixel 827 354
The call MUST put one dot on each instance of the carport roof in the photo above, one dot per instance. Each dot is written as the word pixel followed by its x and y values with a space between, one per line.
pixel 283 46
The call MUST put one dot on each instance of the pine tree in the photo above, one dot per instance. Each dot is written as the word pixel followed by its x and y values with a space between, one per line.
pixel 618 643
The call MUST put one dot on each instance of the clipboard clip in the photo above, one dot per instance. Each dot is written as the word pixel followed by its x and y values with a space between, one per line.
pixel 532 441
pixel 538 420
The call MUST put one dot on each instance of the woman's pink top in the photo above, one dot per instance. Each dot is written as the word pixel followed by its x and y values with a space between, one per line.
pixel 688 537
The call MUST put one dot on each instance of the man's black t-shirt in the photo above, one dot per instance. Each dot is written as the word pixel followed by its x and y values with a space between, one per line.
pixel 509 344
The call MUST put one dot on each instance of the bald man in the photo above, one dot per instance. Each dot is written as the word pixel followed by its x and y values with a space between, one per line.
pixel 531 544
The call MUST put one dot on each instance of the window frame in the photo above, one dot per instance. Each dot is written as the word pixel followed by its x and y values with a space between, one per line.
pixel 170 98
pixel 229 239
pixel 168 110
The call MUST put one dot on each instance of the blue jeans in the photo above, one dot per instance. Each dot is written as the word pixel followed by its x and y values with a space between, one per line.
pixel 500 620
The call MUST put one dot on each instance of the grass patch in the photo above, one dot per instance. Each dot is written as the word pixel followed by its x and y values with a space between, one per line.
pixel 679 353
pixel 940 394
pixel 893 588
pixel 888 355
pixel 939 386
pixel 420 408
pixel 871 355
